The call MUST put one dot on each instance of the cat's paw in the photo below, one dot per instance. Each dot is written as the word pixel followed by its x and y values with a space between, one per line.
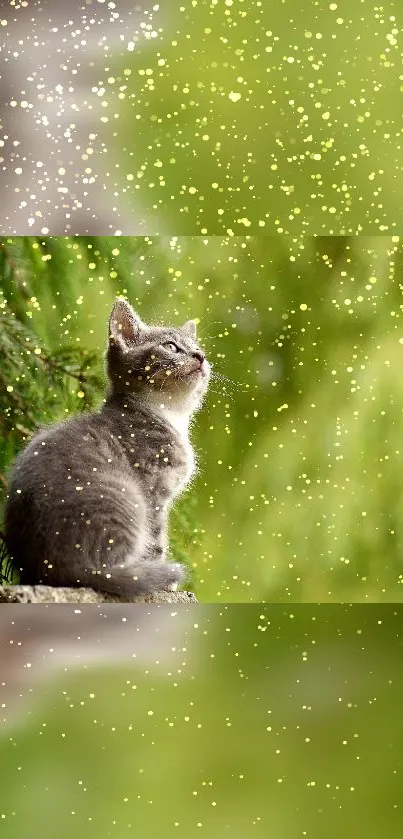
pixel 178 575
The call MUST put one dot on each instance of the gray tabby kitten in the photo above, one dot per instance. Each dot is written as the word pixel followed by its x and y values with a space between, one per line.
pixel 89 497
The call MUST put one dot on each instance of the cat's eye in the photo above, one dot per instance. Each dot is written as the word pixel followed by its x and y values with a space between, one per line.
pixel 171 346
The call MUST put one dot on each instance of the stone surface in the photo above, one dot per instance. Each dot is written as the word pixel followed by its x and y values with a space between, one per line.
pixel 51 594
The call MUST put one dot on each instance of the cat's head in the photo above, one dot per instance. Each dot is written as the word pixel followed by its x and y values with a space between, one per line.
pixel 155 360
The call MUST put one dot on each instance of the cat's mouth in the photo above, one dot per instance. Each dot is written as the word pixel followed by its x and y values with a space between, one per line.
pixel 183 373
pixel 199 370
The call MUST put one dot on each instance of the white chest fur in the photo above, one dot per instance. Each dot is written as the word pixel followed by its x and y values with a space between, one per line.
pixel 180 422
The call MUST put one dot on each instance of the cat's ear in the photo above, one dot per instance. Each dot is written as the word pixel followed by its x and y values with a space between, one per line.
pixel 190 328
pixel 125 326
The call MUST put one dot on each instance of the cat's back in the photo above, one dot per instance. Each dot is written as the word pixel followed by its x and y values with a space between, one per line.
pixel 71 447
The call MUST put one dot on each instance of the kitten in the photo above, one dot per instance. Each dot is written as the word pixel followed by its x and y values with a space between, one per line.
pixel 89 497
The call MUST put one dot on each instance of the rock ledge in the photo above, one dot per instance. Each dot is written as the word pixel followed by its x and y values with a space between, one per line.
pixel 52 594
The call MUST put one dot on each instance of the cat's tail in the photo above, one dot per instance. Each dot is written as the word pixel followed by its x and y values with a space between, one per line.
pixel 141 578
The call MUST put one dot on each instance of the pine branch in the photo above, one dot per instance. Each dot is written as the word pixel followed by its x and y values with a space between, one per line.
pixel 6 562
pixel 37 385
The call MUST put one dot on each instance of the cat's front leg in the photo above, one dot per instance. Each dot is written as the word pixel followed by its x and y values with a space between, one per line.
pixel 158 547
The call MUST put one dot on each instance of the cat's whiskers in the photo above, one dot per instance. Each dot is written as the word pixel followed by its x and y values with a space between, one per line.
pixel 229 382
pixel 178 377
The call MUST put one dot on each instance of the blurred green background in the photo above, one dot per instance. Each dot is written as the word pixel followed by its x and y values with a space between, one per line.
pixel 299 490
pixel 269 721
pixel 248 116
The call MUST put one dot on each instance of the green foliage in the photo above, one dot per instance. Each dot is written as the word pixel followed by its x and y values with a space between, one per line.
pixel 35 384
pixel 7 571
pixel 41 379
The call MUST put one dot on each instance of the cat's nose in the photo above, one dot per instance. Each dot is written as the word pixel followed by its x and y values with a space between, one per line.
pixel 200 356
